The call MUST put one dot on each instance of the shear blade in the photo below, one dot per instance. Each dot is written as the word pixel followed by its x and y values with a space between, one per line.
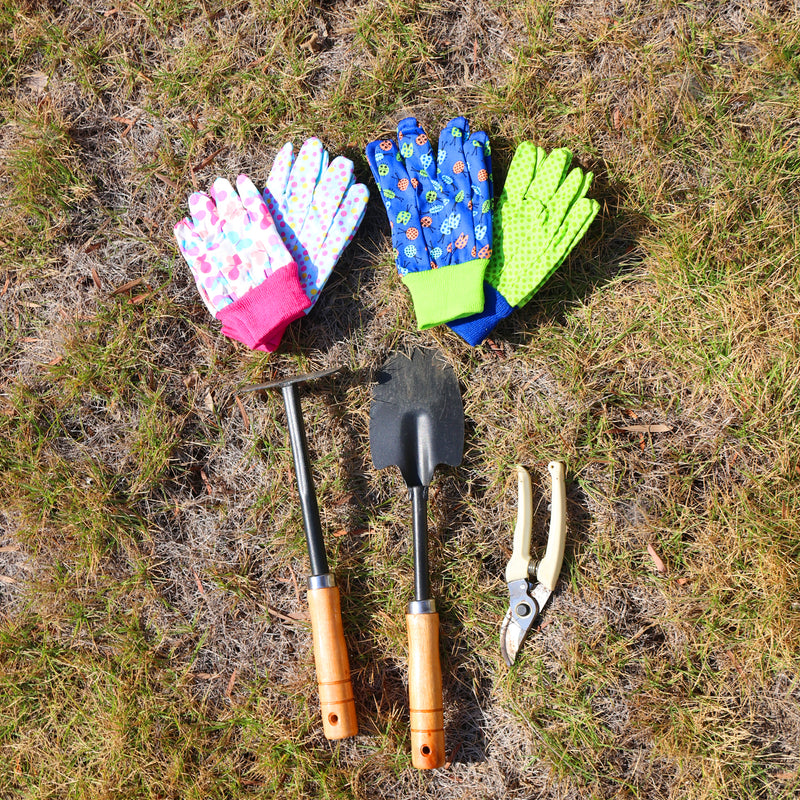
pixel 511 638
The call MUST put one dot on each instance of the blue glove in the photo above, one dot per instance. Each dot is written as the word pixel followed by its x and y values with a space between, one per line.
pixel 440 213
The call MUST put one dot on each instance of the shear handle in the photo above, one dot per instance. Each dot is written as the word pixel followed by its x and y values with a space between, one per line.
pixel 549 567
pixel 547 570
pixel 517 567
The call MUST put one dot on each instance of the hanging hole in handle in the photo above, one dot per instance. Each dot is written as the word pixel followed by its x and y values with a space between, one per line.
pixel 425 750
pixel 333 719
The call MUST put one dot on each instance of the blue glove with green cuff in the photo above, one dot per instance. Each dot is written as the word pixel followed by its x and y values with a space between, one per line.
pixel 440 213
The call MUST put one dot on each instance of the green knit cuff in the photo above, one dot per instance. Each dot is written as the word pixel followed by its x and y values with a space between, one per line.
pixel 444 294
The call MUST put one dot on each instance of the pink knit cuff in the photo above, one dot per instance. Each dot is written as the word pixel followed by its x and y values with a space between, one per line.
pixel 259 318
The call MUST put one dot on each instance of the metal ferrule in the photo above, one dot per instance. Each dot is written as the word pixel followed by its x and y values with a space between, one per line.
pixel 325 581
pixel 422 607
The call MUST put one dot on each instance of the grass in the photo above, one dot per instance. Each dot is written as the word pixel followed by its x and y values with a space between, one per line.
pixel 153 637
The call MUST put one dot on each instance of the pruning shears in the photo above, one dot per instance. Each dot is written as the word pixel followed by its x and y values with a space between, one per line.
pixel 531 582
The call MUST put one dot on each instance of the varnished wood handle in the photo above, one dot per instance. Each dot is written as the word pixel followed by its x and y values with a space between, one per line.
pixel 333 668
pixel 425 691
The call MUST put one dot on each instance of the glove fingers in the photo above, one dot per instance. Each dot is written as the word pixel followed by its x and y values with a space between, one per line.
pixel 521 173
pixel 326 248
pixel 204 215
pixel 258 214
pixel 571 190
pixel 287 234
pixel 243 259
pixel 417 153
pixel 452 167
pixel 451 143
pixel 549 176
pixel 278 178
pixel 328 195
pixel 303 180
pixel 265 229
pixel 479 166
pixel 343 227
pixel 467 231
pixel 574 227
pixel 204 246
pixel 571 232
pixel 191 247
pixel 387 171
pixel 433 200
pixel 399 198
pixel 229 207
pixel 253 249
pixel 188 239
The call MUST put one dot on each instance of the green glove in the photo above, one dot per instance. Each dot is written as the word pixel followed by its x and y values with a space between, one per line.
pixel 541 215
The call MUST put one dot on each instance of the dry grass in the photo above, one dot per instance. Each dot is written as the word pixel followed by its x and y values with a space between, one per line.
pixel 152 633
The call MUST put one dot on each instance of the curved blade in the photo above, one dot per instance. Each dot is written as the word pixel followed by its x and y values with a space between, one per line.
pixel 511 638
pixel 520 617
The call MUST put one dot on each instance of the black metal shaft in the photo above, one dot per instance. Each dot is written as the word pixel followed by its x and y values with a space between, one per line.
pixel 419 504
pixel 305 483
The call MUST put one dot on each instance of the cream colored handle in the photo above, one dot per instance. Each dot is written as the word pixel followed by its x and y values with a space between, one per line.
pixel 333 667
pixel 425 691
pixel 517 567
pixel 550 566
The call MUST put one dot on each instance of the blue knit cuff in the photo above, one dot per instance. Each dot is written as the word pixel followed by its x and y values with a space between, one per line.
pixel 473 330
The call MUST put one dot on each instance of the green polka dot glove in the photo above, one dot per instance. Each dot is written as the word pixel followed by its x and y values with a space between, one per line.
pixel 541 215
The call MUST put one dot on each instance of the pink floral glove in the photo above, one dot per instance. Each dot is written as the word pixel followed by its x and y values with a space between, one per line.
pixel 246 276
pixel 317 208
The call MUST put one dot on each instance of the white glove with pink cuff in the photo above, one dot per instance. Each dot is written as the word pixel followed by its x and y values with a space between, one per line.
pixel 238 243
pixel 246 276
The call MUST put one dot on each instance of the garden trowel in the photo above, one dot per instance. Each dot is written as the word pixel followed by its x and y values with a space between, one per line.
pixel 417 422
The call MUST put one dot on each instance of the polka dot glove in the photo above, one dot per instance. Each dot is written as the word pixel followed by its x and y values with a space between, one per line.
pixel 317 208
pixel 541 215
pixel 246 276
pixel 440 212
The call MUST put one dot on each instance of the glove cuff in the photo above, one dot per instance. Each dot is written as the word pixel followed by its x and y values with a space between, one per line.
pixel 450 292
pixel 259 317
pixel 473 330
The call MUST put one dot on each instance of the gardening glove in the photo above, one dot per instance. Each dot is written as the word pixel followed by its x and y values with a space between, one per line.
pixel 541 215
pixel 246 276
pixel 317 208
pixel 440 213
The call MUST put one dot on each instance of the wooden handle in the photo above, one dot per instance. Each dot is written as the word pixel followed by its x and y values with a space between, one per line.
pixel 333 668
pixel 425 691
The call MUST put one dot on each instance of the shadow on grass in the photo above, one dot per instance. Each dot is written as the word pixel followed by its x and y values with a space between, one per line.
pixel 610 249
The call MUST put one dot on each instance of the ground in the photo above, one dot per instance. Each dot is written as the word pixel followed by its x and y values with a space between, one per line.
pixel 153 628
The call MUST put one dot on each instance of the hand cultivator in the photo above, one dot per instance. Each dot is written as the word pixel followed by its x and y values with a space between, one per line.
pixel 330 651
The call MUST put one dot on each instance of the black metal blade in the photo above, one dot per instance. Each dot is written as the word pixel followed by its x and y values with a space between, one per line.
pixel 416 418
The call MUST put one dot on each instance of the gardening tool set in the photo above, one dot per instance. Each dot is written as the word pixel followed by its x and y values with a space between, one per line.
pixel 260 260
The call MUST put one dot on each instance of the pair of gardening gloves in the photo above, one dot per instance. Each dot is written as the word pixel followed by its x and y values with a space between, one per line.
pixel 465 263
pixel 260 259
